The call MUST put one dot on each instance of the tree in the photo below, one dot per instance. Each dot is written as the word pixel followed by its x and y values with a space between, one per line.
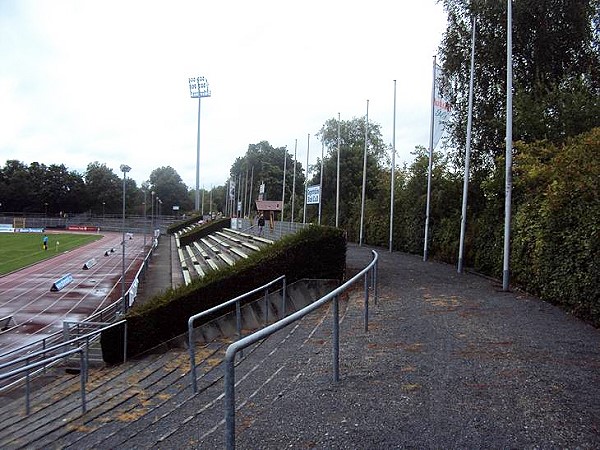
pixel 16 191
pixel 104 189
pixel 169 187
pixel 352 145
pixel 264 163
pixel 556 72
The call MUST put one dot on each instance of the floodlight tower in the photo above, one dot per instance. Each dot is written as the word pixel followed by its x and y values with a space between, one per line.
pixel 198 89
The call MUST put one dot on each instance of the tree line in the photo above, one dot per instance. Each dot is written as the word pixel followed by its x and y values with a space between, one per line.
pixel 556 155
pixel 54 189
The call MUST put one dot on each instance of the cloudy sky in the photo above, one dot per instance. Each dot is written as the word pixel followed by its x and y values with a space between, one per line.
pixel 107 81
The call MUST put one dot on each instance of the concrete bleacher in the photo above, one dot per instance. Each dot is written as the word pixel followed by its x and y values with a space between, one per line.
pixel 148 401
pixel 219 249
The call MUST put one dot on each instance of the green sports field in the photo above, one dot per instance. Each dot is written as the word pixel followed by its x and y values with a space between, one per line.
pixel 18 250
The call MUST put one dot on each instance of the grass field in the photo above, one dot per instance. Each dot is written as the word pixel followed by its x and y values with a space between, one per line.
pixel 18 250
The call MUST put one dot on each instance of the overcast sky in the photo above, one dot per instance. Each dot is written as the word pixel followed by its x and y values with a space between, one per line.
pixel 107 81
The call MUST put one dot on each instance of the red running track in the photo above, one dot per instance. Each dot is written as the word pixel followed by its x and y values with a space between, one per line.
pixel 38 312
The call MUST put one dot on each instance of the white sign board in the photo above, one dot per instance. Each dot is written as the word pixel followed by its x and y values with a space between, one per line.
pixel 313 195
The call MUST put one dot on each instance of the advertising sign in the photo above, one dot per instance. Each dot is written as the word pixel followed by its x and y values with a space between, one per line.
pixel 313 195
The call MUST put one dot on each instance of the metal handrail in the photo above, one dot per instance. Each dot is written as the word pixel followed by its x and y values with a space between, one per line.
pixel 238 315
pixel 45 362
pixel 85 337
pixel 237 346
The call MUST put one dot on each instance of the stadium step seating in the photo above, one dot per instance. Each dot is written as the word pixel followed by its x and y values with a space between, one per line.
pixel 148 401
pixel 219 249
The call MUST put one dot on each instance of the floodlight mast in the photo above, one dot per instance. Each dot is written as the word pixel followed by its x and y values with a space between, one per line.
pixel 198 89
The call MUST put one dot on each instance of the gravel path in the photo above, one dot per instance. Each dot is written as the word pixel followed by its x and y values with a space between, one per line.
pixel 450 361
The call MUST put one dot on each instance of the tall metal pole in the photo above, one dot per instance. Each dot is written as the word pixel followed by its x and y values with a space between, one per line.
pixel 145 222
pixel 245 201
pixel 508 169
pixel 337 189
pixel 198 89
pixel 364 182
pixel 321 180
pixel 124 169
pixel 430 166
pixel 152 216
pixel 283 189
pixel 238 206
pixel 306 179
pixel 463 217
pixel 251 184
pixel 202 208
pixel 197 204
pixel 294 179
pixel 393 174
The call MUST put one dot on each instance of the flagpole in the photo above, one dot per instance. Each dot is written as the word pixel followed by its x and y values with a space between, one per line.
pixel 393 171
pixel 321 180
pixel 463 218
pixel 251 185
pixel 294 179
pixel 364 182
pixel 337 189
pixel 508 175
pixel 306 180
pixel 283 188
pixel 425 250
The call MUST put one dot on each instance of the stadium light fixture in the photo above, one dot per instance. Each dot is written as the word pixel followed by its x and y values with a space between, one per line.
pixel 198 89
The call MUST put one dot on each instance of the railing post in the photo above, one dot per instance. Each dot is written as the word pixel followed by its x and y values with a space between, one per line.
pixel 82 379
pixel 266 306
pixel 192 355
pixel 336 340
pixel 376 293
pixel 125 341
pixel 229 403
pixel 238 320
pixel 283 294
pixel 366 302
pixel 27 390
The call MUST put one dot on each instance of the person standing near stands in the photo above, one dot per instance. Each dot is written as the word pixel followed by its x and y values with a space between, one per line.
pixel 261 224
pixel 45 242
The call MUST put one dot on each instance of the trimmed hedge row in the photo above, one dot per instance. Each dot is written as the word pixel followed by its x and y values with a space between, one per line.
pixel 193 220
pixel 315 252
pixel 204 230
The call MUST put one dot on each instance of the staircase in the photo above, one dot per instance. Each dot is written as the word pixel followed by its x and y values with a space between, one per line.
pixel 148 402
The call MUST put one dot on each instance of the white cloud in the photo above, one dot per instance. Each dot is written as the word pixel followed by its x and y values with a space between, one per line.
pixel 106 81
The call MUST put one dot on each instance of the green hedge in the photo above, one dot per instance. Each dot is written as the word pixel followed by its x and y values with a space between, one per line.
pixel 174 228
pixel 316 252
pixel 204 230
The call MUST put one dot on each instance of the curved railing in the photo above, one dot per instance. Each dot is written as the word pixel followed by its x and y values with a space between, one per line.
pixel 240 345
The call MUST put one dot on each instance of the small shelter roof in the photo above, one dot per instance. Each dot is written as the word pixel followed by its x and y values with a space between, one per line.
pixel 268 205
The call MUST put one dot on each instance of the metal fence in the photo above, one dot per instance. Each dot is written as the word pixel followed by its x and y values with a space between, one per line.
pixel 233 349
pixel 37 362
